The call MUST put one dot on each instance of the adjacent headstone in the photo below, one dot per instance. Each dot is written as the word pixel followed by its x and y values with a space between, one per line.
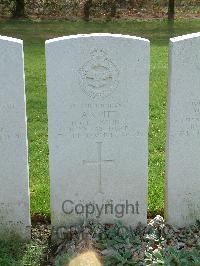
pixel 98 128
pixel 14 188
pixel 183 151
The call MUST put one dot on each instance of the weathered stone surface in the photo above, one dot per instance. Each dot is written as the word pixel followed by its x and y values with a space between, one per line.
pixel 14 189
pixel 183 151
pixel 98 127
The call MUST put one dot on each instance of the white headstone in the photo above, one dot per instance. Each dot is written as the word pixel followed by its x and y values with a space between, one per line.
pixel 183 151
pixel 14 182
pixel 98 127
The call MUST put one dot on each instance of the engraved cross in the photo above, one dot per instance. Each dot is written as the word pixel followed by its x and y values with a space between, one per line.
pixel 99 164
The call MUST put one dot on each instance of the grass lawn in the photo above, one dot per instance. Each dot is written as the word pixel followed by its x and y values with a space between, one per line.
pixel 34 35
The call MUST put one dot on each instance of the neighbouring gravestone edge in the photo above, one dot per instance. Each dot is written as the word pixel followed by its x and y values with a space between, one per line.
pixel 16 230
pixel 180 47
pixel 11 39
pixel 185 37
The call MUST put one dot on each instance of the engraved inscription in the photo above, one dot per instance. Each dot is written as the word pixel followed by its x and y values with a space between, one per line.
pixel 100 121
pixel 189 125
pixel 6 134
pixel 99 164
pixel 99 76
pixel 6 210
pixel 192 205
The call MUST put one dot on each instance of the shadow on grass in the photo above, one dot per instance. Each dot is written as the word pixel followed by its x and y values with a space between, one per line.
pixel 11 251
pixel 15 252
pixel 157 31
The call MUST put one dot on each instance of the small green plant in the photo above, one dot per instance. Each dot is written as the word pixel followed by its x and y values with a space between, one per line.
pixel 119 241
pixel 174 257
